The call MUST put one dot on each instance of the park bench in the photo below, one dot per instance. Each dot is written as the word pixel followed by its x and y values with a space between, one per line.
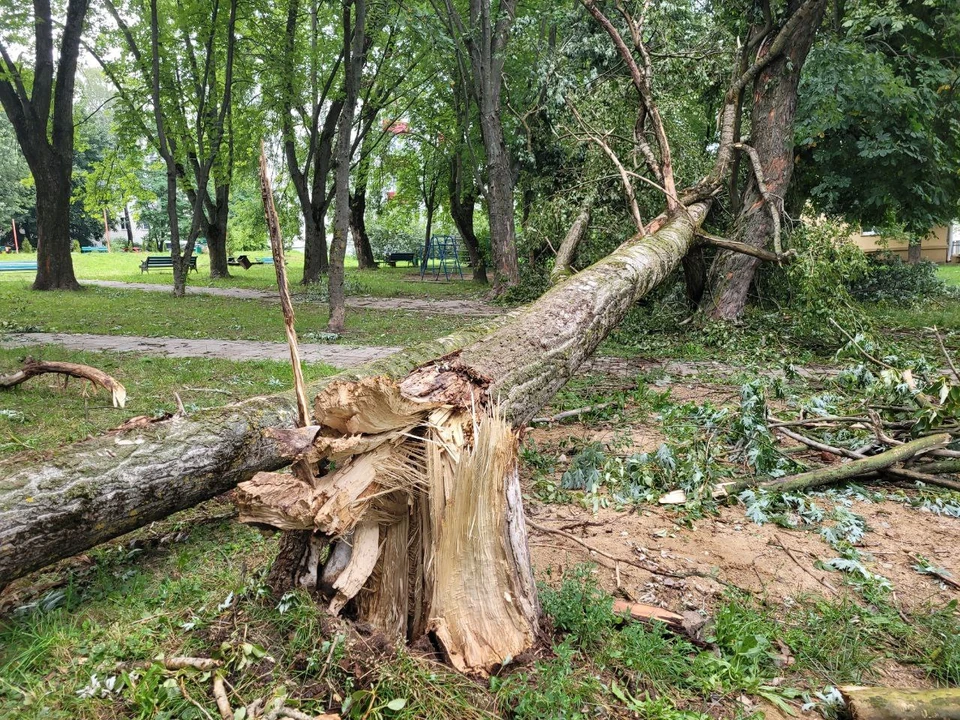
pixel 93 248
pixel 407 257
pixel 18 267
pixel 246 263
pixel 160 262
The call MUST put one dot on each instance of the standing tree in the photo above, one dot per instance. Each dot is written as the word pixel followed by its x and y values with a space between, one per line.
pixel 481 45
pixel 39 105
pixel 770 150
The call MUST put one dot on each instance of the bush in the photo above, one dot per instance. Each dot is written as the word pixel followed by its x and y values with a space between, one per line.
pixel 385 240
pixel 25 246
pixel 75 246
pixel 889 278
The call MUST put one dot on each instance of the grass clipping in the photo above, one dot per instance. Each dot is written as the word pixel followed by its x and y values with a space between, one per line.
pixel 420 504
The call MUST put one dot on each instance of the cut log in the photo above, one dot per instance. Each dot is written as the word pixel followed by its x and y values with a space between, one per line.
pixel 874 703
pixel 648 613
pixel 33 368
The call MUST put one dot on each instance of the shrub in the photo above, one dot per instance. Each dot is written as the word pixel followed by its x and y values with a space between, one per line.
pixel 25 246
pixel 75 246
pixel 889 278
pixel 385 240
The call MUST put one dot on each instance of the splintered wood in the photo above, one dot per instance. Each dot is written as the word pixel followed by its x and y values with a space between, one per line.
pixel 418 499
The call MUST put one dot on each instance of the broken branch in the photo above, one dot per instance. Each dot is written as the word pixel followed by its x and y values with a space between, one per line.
pixel 746 249
pixel 33 368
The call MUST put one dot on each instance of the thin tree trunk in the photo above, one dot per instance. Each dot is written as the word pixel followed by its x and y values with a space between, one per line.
pixel 775 101
pixel 461 205
pixel 354 49
pixel 913 251
pixel 129 224
pixel 217 234
pixel 358 228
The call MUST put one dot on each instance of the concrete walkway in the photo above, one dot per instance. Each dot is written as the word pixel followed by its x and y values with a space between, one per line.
pixel 340 356
pixel 463 307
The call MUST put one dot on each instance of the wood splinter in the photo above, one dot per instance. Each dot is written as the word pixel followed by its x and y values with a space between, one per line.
pixel 33 368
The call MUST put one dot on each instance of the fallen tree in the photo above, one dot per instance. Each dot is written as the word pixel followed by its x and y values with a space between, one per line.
pixel 404 508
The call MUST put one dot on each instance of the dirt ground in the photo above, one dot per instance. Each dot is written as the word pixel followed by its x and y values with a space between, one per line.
pixel 653 554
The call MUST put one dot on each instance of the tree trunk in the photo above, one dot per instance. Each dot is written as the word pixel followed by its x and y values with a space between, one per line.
pixel 913 251
pixel 775 102
pixel 358 228
pixel 354 48
pixel 54 261
pixel 129 225
pixel 217 234
pixel 315 259
pixel 461 212
pixel 503 235
pixel 472 535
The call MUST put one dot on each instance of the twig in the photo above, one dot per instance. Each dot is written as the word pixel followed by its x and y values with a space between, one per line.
pixel 853 341
pixel 186 695
pixel 779 543
pixel 571 413
pixel 929 570
pixel 953 368
pixel 197 663
pixel 615 559
pixel 181 411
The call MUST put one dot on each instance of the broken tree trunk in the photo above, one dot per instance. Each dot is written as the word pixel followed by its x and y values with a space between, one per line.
pixel 423 505
pixel 424 497
pixel 93 491
pixel 562 266
pixel 873 703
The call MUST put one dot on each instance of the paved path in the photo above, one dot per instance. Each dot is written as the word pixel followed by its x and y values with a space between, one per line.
pixel 340 356
pixel 464 307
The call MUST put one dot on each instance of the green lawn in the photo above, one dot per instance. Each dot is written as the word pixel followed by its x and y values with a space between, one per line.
pixel 383 282
pixel 44 413
pixel 950 273
pixel 132 312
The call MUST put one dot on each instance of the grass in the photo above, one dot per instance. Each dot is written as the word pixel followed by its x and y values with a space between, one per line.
pixel 950 274
pixel 382 282
pixel 42 413
pixel 130 312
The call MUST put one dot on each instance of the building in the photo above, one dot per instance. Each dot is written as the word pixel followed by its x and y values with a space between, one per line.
pixel 942 245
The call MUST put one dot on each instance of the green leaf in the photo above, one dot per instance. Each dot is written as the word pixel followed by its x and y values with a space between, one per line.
pixel 397 704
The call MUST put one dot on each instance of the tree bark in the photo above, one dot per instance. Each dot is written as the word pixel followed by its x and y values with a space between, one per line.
pixel 129 225
pixel 571 241
pixel 43 123
pixel 217 233
pixel 774 110
pixel 54 261
pixel 97 490
pixel 913 251
pixel 358 228
pixel 869 703
pixel 500 208
pixel 354 49
pixel 462 202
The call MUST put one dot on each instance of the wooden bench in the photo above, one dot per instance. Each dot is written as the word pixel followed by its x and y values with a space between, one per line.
pixel 160 262
pixel 93 248
pixel 18 267
pixel 407 257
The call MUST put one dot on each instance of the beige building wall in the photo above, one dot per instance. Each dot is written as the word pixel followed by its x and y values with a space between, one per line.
pixel 934 247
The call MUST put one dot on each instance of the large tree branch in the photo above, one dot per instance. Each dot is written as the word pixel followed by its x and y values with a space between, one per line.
pixel 66 77
pixel 42 94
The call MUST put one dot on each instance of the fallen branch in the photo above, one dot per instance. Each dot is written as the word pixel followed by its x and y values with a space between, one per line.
pixel 900 473
pixel 220 695
pixel 870 703
pixel 33 368
pixel 845 471
pixel 768 197
pixel 197 663
pixel 647 613
pixel 746 249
